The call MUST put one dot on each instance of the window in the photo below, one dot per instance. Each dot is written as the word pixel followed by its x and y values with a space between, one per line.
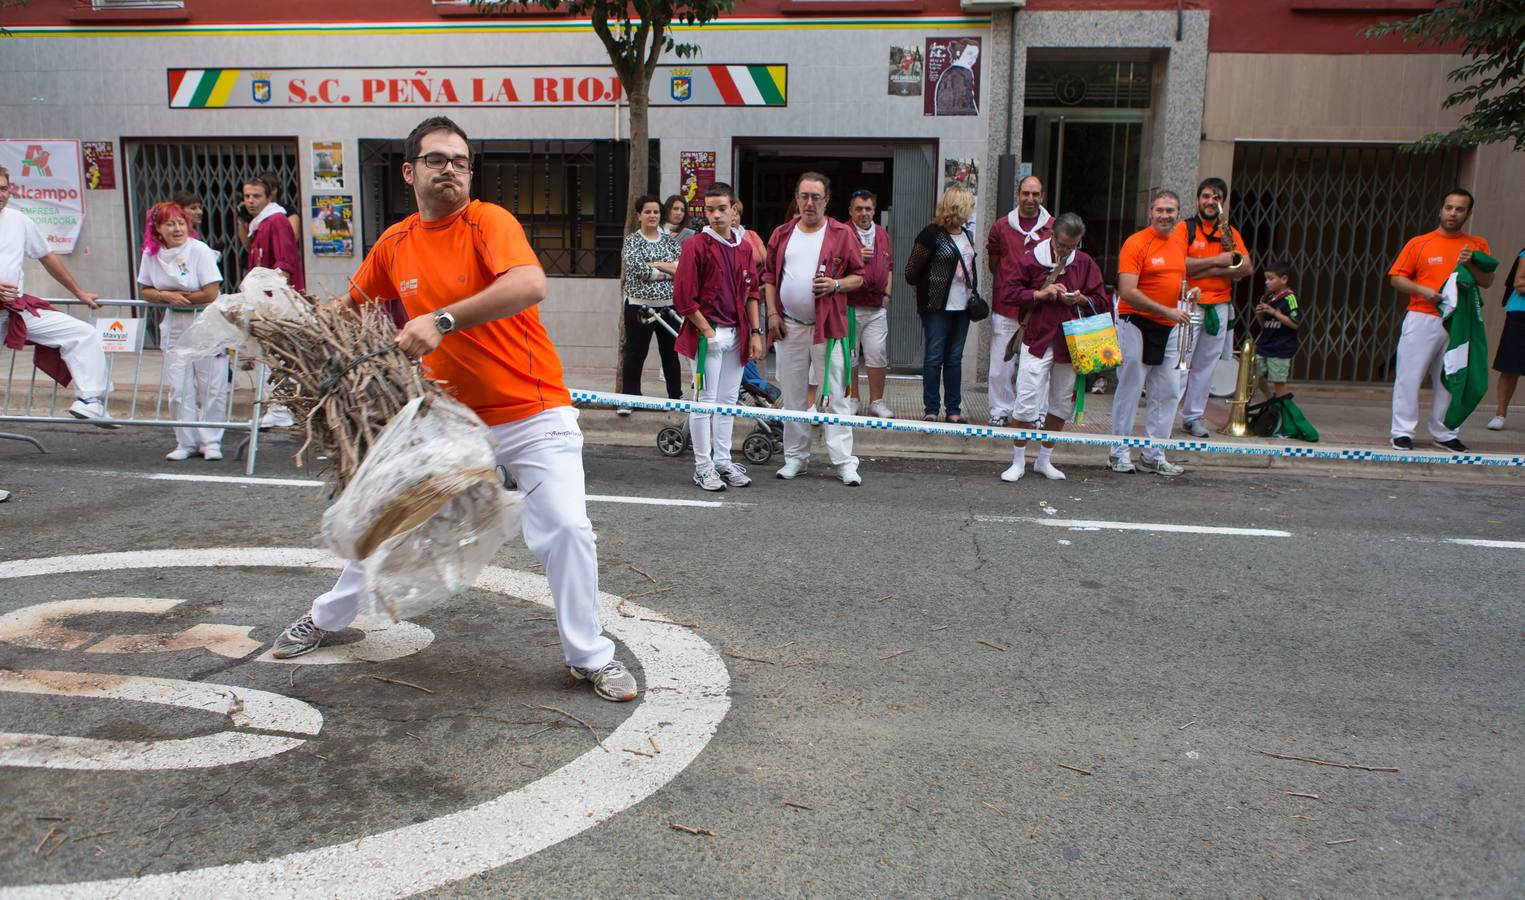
pixel 117 5
pixel 568 195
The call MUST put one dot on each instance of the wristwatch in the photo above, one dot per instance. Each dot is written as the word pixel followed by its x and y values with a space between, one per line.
pixel 759 332
pixel 444 321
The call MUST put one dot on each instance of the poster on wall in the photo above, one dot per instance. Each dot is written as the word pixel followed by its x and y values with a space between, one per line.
pixel 905 71
pixel 328 165
pixel 46 187
pixel 697 168
pixel 964 173
pixel 952 77
pixel 333 231
pixel 100 165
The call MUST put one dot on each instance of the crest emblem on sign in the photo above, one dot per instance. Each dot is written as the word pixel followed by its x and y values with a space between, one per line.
pixel 682 85
pixel 260 87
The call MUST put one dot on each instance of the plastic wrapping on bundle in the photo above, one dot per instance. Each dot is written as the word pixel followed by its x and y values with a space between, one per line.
pixel 225 322
pixel 425 512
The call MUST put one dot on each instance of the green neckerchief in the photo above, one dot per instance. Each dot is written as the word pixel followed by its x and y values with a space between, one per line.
pixel 1080 398
pixel 847 364
pixel 704 352
pixel 1210 322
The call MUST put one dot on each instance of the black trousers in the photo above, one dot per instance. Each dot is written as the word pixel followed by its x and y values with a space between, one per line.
pixel 638 345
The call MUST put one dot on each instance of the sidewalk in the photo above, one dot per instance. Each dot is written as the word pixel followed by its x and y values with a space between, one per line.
pixel 1345 415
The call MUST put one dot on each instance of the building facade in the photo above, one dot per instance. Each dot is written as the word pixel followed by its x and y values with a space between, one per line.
pixel 1106 101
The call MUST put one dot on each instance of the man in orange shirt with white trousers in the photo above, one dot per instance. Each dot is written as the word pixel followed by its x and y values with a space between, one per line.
pixel 470 282
pixel 1421 271
pixel 1209 269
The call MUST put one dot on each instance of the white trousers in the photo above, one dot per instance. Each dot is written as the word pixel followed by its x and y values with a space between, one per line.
pixel 873 336
pixel 78 343
pixel 1206 350
pixel 1421 349
pixel 198 391
pixel 1003 372
pixel 711 432
pixel 544 455
pixel 1044 385
pixel 795 353
pixel 1162 382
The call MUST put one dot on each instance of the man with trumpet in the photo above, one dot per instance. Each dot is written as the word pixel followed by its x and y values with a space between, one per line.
pixel 1216 257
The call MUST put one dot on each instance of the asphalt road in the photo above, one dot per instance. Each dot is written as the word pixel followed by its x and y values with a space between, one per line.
pixel 939 684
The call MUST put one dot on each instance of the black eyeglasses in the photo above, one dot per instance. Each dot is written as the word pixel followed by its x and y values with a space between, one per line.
pixel 438 162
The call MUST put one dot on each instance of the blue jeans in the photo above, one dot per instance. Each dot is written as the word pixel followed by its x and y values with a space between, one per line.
pixel 943 337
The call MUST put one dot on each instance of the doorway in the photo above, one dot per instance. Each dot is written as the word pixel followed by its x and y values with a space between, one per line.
pixel 1090 163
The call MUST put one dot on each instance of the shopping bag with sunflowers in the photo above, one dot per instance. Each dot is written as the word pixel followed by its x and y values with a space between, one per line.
pixel 1092 342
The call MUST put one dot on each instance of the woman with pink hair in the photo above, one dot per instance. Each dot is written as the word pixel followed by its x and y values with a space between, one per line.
pixel 181 271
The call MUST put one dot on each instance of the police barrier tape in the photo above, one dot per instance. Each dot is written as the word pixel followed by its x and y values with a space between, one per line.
pixel 34 398
pixel 912 426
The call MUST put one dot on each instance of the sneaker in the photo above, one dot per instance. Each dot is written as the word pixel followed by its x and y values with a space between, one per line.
pixel 1496 423
pixel 1454 445
pixel 1161 466
pixel 734 475
pixel 92 410
pixel 1100 387
pixel 612 681
pixel 1014 472
pixel 4 496
pixel 301 637
pixel 790 469
pixel 999 421
pixel 277 416
pixel 623 411
pixel 1195 428
pixel 179 454
pixel 211 452
pixel 1401 443
pixel 881 409
pixel 708 479
pixel 847 473
pixel 1046 469
pixel 1122 465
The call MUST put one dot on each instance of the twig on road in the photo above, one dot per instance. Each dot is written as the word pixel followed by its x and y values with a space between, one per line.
pixel 1301 794
pixel 160 828
pixel 1075 769
pixel 399 681
pixel 1341 841
pixel 994 807
pixel 895 654
pixel 694 625
pixel 749 658
pixel 62 839
pixel 1325 762
pixel 560 711
pixel 415 737
pixel 938 628
pixel 1187 725
pixel 988 644
pixel 654 747
pixel 689 829
pixel 643 572
pixel 45 838
pixel 885 597
pixel 799 806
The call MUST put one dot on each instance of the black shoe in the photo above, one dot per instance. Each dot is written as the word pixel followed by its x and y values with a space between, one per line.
pixel 1454 445
pixel 1402 443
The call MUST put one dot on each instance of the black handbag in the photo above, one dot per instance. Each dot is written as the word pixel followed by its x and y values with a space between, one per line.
pixel 976 308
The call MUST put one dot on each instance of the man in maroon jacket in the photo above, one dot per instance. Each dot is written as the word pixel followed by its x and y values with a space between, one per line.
pixel 813 263
pixel 715 290
pixel 272 245
pixel 1045 378
pixel 869 305
pixel 1026 226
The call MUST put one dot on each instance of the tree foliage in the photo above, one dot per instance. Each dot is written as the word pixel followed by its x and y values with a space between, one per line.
pixel 1491 34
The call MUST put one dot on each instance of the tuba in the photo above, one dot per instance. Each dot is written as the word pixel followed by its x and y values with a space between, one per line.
pixel 1238 415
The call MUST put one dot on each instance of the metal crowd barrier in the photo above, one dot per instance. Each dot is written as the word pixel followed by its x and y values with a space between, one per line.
pixel 1257 448
pixel 31 397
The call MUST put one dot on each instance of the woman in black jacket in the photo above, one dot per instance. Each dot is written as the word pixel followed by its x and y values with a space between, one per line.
pixel 941 268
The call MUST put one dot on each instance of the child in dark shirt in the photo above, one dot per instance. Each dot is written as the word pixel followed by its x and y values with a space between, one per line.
pixel 1280 320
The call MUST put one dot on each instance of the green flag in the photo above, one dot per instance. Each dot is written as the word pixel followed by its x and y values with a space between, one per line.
pixel 1465 365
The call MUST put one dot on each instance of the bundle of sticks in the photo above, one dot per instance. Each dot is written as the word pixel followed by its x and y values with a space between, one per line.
pixel 340 372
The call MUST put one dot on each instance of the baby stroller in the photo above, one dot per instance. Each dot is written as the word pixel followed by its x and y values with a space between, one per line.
pixel 765 439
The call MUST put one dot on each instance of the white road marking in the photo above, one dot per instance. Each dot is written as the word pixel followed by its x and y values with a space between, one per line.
pixel 656 501
pixel 1098 525
pixel 686 696
pixel 1480 542
pixel 38 627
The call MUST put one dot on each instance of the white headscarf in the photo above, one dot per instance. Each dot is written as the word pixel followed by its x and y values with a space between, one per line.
pixel 1044 217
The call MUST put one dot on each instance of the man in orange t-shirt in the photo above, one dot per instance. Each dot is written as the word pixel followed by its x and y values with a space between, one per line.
pixel 470 282
pixel 1151 268
pixel 1209 268
pixel 1421 271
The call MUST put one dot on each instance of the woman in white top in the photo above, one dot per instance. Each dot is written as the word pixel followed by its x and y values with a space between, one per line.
pixel 181 271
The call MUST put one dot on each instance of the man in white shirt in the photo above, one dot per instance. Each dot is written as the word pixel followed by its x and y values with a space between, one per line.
pixel 24 318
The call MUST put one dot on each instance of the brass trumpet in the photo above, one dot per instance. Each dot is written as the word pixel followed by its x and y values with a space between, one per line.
pixel 1238 415
pixel 1187 303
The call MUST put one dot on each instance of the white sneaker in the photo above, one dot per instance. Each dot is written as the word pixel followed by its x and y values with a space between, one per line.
pixel 733 475
pixel 211 452
pixel 4 496
pixel 847 473
pixel 623 411
pixel 1195 428
pixel 1496 423
pixel 1014 472
pixel 1122 465
pixel 881 409
pixel 93 411
pixel 180 453
pixel 708 479
pixel 1046 469
pixel 1161 466
pixel 277 416
pixel 790 469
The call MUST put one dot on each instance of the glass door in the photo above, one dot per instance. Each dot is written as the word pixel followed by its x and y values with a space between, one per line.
pixel 1089 162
